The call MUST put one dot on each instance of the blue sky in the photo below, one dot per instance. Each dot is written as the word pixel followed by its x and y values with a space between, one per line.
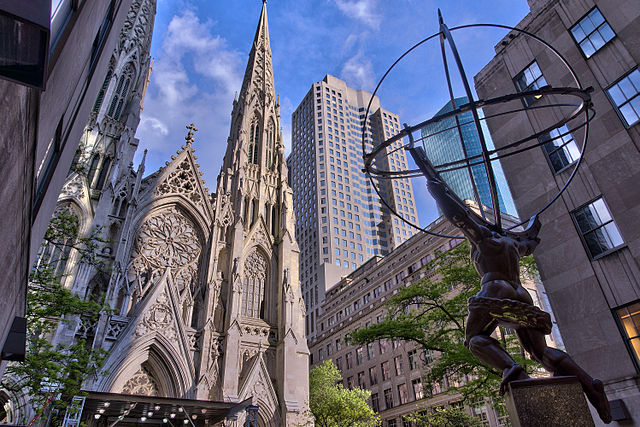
pixel 200 49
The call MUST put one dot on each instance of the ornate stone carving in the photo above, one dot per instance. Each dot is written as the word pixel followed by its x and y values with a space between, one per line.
pixel 225 216
pixel 114 328
pixel 73 188
pixel 182 181
pixel 141 383
pixel 166 240
pixel 159 318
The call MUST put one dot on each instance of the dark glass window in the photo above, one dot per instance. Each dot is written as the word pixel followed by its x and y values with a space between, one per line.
pixel 624 94
pixel 375 404
pixel 120 94
pixel 592 32
pixel 388 398
pixel 530 78
pixel 560 148
pixel 597 228
pixel 373 376
pixel 629 321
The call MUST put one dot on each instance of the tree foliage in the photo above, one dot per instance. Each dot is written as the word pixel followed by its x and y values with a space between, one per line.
pixel 431 313
pixel 450 416
pixel 52 374
pixel 332 405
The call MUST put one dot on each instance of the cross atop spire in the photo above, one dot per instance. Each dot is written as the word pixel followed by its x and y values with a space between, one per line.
pixel 189 136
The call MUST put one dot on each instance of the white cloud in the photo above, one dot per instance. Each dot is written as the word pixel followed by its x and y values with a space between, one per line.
pixel 358 72
pixel 361 10
pixel 194 78
pixel 154 125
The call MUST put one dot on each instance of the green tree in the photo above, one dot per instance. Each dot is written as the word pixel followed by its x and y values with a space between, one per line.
pixel 450 416
pixel 432 313
pixel 332 405
pixel 51 375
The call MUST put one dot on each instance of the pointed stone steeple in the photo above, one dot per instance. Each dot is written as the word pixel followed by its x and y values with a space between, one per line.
pixel 254 263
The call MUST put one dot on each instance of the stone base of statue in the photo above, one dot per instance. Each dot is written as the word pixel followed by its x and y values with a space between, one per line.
pixel 549 402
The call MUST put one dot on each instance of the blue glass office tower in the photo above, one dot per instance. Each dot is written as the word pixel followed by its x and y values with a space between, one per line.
pixel 442 145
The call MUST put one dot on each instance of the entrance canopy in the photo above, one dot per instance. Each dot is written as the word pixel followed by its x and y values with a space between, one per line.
pixel 114 408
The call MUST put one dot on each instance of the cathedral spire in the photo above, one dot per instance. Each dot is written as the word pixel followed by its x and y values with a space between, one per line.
pixel 258 76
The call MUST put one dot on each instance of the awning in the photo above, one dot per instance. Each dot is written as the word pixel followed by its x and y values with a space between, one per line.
pixel 109 408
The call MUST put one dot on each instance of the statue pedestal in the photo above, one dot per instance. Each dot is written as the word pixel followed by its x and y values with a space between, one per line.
pixel 549 402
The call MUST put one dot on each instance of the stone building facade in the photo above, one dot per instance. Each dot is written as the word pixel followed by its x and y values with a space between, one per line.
pixel 40 131
pixel 342 221
pixel 589 255
pixel 203 286
pixel 392 370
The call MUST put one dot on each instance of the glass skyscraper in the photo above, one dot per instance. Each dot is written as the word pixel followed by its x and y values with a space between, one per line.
pixel 442 145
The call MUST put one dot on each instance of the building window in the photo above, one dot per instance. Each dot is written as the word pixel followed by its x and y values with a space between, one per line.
pixel 350 383
pixel 383 345
pixel 530 78
pixel 560 148
pixel 375 404
pixel 100 38
pixel 397 361
pixel 592 32
pixel 417 388
pixel 597 229
pixel 339 363
pixel 386 374
pixel 349 359
pixel 624 95
pixel 370 351
pixel 388 399
pixel 402 394
pixel 359 355
pixel 373 376
pixel 120 94
pixel 628 319
pixel 361 382
pixel 413 359
pixel 255 268
pixel 254 142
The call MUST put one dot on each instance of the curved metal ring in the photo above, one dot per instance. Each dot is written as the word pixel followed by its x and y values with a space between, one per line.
pixel 585 107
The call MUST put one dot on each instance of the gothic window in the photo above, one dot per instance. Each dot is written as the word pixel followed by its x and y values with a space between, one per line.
pixel 102 176
pixel 103 90
pixel 254 142
pixel 255 270
pixel 56 248
pixel 120 94
pixel 165 240
pixel 270 145
pixel 93 166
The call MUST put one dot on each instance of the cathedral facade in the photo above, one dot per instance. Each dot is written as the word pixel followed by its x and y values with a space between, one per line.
pixel 203 287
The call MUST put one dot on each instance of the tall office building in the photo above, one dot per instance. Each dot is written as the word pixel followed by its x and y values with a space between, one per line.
pixel 589 255
pixel 342 221
pixel 444 144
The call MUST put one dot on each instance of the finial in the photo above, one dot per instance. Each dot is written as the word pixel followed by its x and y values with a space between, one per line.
pixel 440 20
pixel 189 136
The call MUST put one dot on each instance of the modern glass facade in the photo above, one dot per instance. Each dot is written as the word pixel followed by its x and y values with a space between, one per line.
pixel 442 145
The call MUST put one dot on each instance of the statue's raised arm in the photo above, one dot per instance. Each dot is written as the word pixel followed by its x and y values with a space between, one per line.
pixel 473 227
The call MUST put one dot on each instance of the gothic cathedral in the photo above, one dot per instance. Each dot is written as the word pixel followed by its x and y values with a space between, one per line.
pixel 204 287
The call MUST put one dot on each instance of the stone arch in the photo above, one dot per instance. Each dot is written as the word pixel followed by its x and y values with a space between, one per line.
pixel 153 357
